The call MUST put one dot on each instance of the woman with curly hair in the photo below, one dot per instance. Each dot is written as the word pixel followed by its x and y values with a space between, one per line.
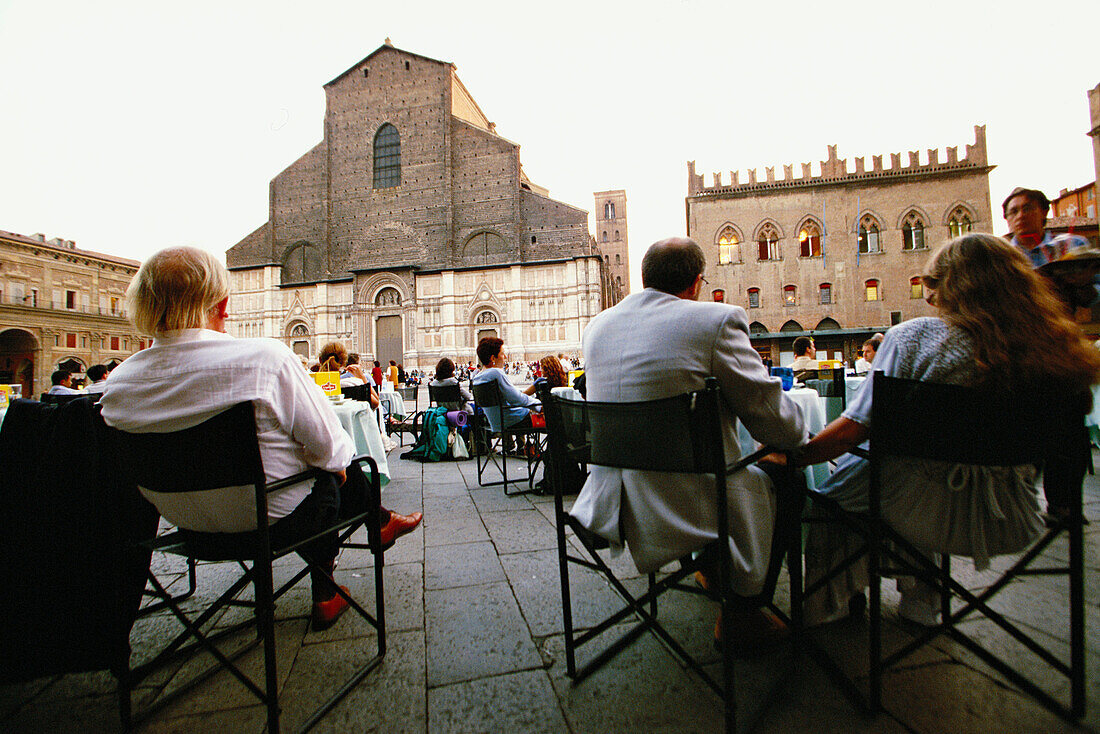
pixel 552 372
pixel 999 325
pixel 334 358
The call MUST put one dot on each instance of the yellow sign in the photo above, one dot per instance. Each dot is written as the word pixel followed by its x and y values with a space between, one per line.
pixel 5 396
pixel 329 382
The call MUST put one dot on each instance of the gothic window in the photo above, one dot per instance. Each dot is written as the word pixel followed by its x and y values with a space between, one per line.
pixel 603 236
pixel 609 210
pixel 484 243
pixel 486 317
pixel 618 259
pixel 754 298
pixel 729 247
pixel 790 295
pixel 387 157
pixel 299 330
pixel 869 235
pixel 302 263
pixel 809 240
pixel 757 328
pixel 768 243
pixel 912 232
pixel 618 237
pixel 959 222
pixel 825 293
pixel 387 297
pixel 871 290
pixel 916 288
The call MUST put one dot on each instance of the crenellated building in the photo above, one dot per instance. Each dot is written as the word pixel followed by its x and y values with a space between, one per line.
pixel 614 240
pixel 836 253
pixel 411 230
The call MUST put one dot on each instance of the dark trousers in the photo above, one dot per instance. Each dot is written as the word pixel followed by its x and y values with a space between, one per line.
pixel 1064 472
pixel 326 504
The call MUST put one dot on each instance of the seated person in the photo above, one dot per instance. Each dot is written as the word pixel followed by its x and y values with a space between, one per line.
pixel 195 370
pixel 805 355
pixel 998 324
pixel 867 354
pixel 516 409
pixel 445 376
pixel 334 358
pixel 62 383
pixel 97 373
pixel 552 373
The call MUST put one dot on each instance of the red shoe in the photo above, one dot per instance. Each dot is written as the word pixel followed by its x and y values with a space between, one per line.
pixel 399 525
pixel 758 631
pixel 325 613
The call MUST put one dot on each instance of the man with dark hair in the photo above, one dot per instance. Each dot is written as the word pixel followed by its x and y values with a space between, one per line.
pixel 62 383
pixel 97 373
pixel 867 354
pixel 805 354
pixel 516 410
pixel 663 342
pixel 1066 259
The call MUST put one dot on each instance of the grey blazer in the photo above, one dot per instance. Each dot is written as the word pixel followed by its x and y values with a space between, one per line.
pixel 653 345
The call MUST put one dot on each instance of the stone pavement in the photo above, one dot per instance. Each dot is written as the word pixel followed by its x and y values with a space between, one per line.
pixel 475 645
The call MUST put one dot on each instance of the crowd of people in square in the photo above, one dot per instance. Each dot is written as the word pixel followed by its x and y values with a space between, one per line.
pixel 1003 308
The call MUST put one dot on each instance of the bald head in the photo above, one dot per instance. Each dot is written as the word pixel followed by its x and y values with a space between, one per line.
pixel 672 265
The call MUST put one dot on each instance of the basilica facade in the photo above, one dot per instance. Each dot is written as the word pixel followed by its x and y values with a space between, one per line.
pixel 411 230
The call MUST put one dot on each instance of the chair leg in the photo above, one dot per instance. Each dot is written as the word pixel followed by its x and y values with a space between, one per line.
pixel 875 647
pixel 265 610
pixel 1077 614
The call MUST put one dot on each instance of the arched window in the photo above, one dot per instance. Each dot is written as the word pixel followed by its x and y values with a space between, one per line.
pixel 809 240
pixel 486 317
pixel 871 290
pixel 387 157
pixel 718 295
pixel 609 210
pixel 729 247
pixel 618 237
pixel 484 243
pixel 388 297
pixel 958 223
pixel 603 236
pixel 916 288
pixel 618 259
pixel 827 324
pixel 619 282
pixel 299 330
pixel 768 243
pixel 825 293
pixel 869 235
pixel 302 263
pixel 790 295
pixel 757 328
pixel 607 260
pixel 912 232
pixel 790 326
pixel 754 298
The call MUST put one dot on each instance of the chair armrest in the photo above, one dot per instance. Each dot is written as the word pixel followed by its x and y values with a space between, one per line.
pixel 311 473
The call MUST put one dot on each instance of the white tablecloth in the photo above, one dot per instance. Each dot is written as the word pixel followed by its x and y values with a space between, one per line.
pixel 358 420
pixel 814 414
pixel 395 405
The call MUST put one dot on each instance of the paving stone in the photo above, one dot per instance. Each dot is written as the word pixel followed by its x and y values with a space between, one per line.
pixel 65 716
pixel 476 631
pixel 493 499
pixel 245 720
pixel 536 582
pixel 450 503
pixel 447 528
pixel 390 699
pixel 953 698
pixel 449 488
pixel 517 702
pixel 462 564
pixel 519 531
pixel 16 695
pixel 404 586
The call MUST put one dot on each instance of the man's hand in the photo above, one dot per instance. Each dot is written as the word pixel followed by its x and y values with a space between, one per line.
pixel 777 458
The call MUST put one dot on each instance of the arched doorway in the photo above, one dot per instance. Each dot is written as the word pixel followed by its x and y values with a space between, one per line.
pixel 388 341
pixel 17 348
pixel 486 324
pixel 299 340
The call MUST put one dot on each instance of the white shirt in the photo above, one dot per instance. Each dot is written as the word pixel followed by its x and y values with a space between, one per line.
pixel 96 388
pixel 188 376
pixel 61 390
pixel 804 363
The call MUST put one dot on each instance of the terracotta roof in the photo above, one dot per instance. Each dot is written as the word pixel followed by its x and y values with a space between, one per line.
pixel 15 237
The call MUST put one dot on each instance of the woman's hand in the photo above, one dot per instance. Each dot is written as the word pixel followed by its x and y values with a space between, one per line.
pixel 357 371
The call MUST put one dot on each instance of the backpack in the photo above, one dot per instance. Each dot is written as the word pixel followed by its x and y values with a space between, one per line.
pixel 431 445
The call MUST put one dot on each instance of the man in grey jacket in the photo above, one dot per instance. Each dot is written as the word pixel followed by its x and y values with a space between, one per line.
pixel 663 342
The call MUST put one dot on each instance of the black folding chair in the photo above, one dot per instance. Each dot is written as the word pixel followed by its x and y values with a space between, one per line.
pixel 966 426
pixel 49 399
pixel 679 434
pixel 407 424
pixel 525 440
pixel 221 456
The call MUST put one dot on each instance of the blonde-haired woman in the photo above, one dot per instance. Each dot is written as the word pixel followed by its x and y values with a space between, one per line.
pixel 1000 325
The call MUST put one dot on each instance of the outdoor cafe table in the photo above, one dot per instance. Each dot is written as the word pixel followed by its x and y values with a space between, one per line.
pixel 358 421
pixel 395 405
pixel 814 412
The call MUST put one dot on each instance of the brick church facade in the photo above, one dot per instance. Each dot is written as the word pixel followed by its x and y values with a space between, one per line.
pixel 411 230
pixel 836 256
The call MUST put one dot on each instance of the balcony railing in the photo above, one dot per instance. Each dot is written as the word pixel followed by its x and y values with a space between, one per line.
pixel 50 305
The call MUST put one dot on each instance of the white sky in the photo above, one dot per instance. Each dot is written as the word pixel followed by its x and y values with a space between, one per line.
pixel 131 126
